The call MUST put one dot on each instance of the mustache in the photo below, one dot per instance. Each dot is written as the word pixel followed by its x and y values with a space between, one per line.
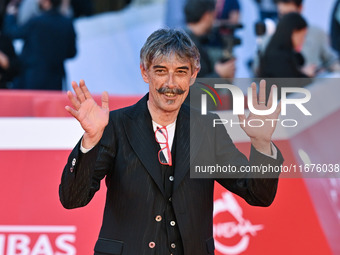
pixel 177 91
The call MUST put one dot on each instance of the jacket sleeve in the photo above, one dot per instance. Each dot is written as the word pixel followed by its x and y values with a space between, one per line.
pixel 255 188
pixel 84 171
pixel 252 187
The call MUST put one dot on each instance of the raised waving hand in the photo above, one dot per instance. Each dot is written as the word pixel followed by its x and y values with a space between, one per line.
pixel 90 115
pixel 261 136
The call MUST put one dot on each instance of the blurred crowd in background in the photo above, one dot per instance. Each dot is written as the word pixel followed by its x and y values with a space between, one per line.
pixel 287 46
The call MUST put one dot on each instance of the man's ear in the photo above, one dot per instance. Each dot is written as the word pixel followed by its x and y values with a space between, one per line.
pixel 193 76
pixel 144 73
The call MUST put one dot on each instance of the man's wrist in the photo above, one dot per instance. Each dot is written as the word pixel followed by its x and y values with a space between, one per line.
pixel 264 147
pixel 273 151
pixel 83 149
pixel 87 143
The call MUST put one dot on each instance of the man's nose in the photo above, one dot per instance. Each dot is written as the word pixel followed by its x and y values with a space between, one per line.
pixel 171 83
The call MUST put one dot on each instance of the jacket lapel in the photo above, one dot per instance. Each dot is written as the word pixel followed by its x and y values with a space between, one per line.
pixel 182 146
pixel 138 127
pixel 187 144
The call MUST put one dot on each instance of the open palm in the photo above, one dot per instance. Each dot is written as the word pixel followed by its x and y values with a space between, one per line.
pixel 259 134
pixel 90 115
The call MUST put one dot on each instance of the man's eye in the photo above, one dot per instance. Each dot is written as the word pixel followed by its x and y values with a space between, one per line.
pixel 160 71
pixel 182 72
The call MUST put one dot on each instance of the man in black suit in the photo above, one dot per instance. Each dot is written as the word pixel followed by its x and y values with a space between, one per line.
pixel 49 39
pixel 152 205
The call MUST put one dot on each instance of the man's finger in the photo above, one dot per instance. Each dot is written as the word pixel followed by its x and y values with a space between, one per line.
pixel 105 100
pixel 271 94
pixel 74 100
pixel 242 118
pixel 262 93
pixel 79 93
pixel 73 112
pixel 254 94
pixel 84 89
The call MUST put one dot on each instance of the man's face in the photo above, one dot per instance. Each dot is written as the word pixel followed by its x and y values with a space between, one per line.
pixel 285 8
pixel 169 79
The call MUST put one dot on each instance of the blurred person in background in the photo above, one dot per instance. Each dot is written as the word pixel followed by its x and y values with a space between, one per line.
pixel 316 50
pixel 228 11
pixel 28 9
pixel 9 63
pixel 222 39
pixel 335 27
pixel 282 58
pixel 49 39
pixel 200 17
pixel 267 9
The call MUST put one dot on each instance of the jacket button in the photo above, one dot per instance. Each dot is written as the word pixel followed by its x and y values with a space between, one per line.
pixel 171 178
pixel 152 245
pixel 172 223
pixel 158 218
pixel 173 245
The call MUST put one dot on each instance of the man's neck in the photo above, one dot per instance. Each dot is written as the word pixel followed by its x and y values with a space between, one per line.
pixel 161 117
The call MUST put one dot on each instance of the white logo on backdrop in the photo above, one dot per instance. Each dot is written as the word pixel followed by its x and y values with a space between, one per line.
pixel 37 240
pixel 242 227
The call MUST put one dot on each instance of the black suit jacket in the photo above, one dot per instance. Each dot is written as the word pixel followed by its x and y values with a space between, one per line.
pixel 127 157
